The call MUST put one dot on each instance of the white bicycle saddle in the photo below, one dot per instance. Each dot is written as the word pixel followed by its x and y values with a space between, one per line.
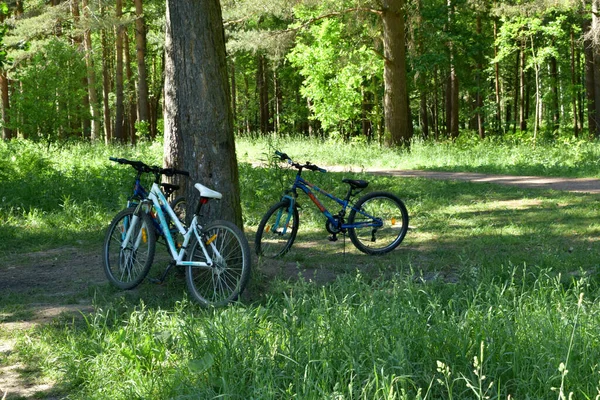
pixel 206 192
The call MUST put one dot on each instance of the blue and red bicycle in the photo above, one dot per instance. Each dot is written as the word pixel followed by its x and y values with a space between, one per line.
pixel 376 223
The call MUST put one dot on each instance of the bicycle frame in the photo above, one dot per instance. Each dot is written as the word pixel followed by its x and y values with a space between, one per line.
pixel 306 187
pixel 156 197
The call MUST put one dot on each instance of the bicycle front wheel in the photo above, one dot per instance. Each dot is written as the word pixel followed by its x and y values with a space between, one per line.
pixel 277 230
pixel 226 279
pixel 381 222
pixel 127 267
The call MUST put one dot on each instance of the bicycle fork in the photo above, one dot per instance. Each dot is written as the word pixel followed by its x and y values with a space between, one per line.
pixel 290 213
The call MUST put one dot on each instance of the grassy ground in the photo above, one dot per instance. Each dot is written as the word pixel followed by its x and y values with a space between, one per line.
pixel 493 293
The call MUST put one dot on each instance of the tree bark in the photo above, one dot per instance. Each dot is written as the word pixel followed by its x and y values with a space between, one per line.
pixel 233 96
pixel 140 46
pixel 398 128
pixel 478 96
pixel 262 83
pixel 497 79
pixel 574 86
pixel 522 108
pixel 7 133
pixel 91 78
pixel 106 88
pixel 119 107
pixel 590 87
pixel 596 64
pixel 555 94
pixel 198 119
pixel 131 97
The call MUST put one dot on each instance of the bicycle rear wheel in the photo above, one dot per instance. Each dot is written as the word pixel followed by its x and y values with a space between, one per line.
pixel 368 210
pixel 277 230
pixel 226 279
pixel 127 267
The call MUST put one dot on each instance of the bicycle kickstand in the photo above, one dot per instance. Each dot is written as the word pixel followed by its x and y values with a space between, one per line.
pixel 160 281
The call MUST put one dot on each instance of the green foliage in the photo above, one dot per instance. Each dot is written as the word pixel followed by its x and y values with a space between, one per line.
pixel 336 72
pixel 58 193
pixel 50 95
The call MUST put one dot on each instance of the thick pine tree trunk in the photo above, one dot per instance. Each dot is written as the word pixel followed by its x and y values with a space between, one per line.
pixel 198 119
pixel 398 128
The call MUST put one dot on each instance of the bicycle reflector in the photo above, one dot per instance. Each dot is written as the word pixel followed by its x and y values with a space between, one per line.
pixel 393 221
pixel 144 235
pixel 212 239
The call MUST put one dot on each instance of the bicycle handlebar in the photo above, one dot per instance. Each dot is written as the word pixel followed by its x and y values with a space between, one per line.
pixel 145 168
pixel 300 167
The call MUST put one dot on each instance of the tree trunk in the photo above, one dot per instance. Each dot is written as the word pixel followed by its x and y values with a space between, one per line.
pixel 91 78
pixel 119 107
pixel 234 97
pixel 398 128
pixel 7 133
pixel 555 98
pixel 596 64
pixel 78 43
pixel 452 84
pixel 522 108
pixel 106 82
pixel 421 76
pixel 262 83
pixel 590 87
pixel 497 79
pixel 131 97
pixel 198 120
pixel 574 86
pixel 478 95
pixel 140 46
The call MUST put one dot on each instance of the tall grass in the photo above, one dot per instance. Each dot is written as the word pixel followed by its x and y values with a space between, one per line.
pixel 493 293
pixel 572 158
pixel 388 338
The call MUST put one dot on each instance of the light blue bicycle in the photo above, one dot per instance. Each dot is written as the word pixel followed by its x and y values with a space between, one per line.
pixel 216 257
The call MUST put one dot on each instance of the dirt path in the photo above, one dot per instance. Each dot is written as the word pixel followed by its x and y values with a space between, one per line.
pixel 580 185
pixel 64 276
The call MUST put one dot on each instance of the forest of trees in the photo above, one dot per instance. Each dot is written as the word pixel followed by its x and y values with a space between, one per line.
pixel 373 70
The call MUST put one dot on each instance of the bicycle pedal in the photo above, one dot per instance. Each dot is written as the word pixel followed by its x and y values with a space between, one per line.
pixel 156 281
pixel 332 238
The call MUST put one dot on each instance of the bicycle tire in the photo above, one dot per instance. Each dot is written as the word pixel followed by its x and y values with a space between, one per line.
pixel 222 283
pixel 274 243
pixel 127 268
pixel 387 207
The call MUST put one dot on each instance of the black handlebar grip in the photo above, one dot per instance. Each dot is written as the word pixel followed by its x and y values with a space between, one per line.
pixel 282 156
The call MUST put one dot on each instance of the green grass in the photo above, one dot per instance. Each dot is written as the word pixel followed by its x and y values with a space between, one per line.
pixel 493 289
pixel 569 158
